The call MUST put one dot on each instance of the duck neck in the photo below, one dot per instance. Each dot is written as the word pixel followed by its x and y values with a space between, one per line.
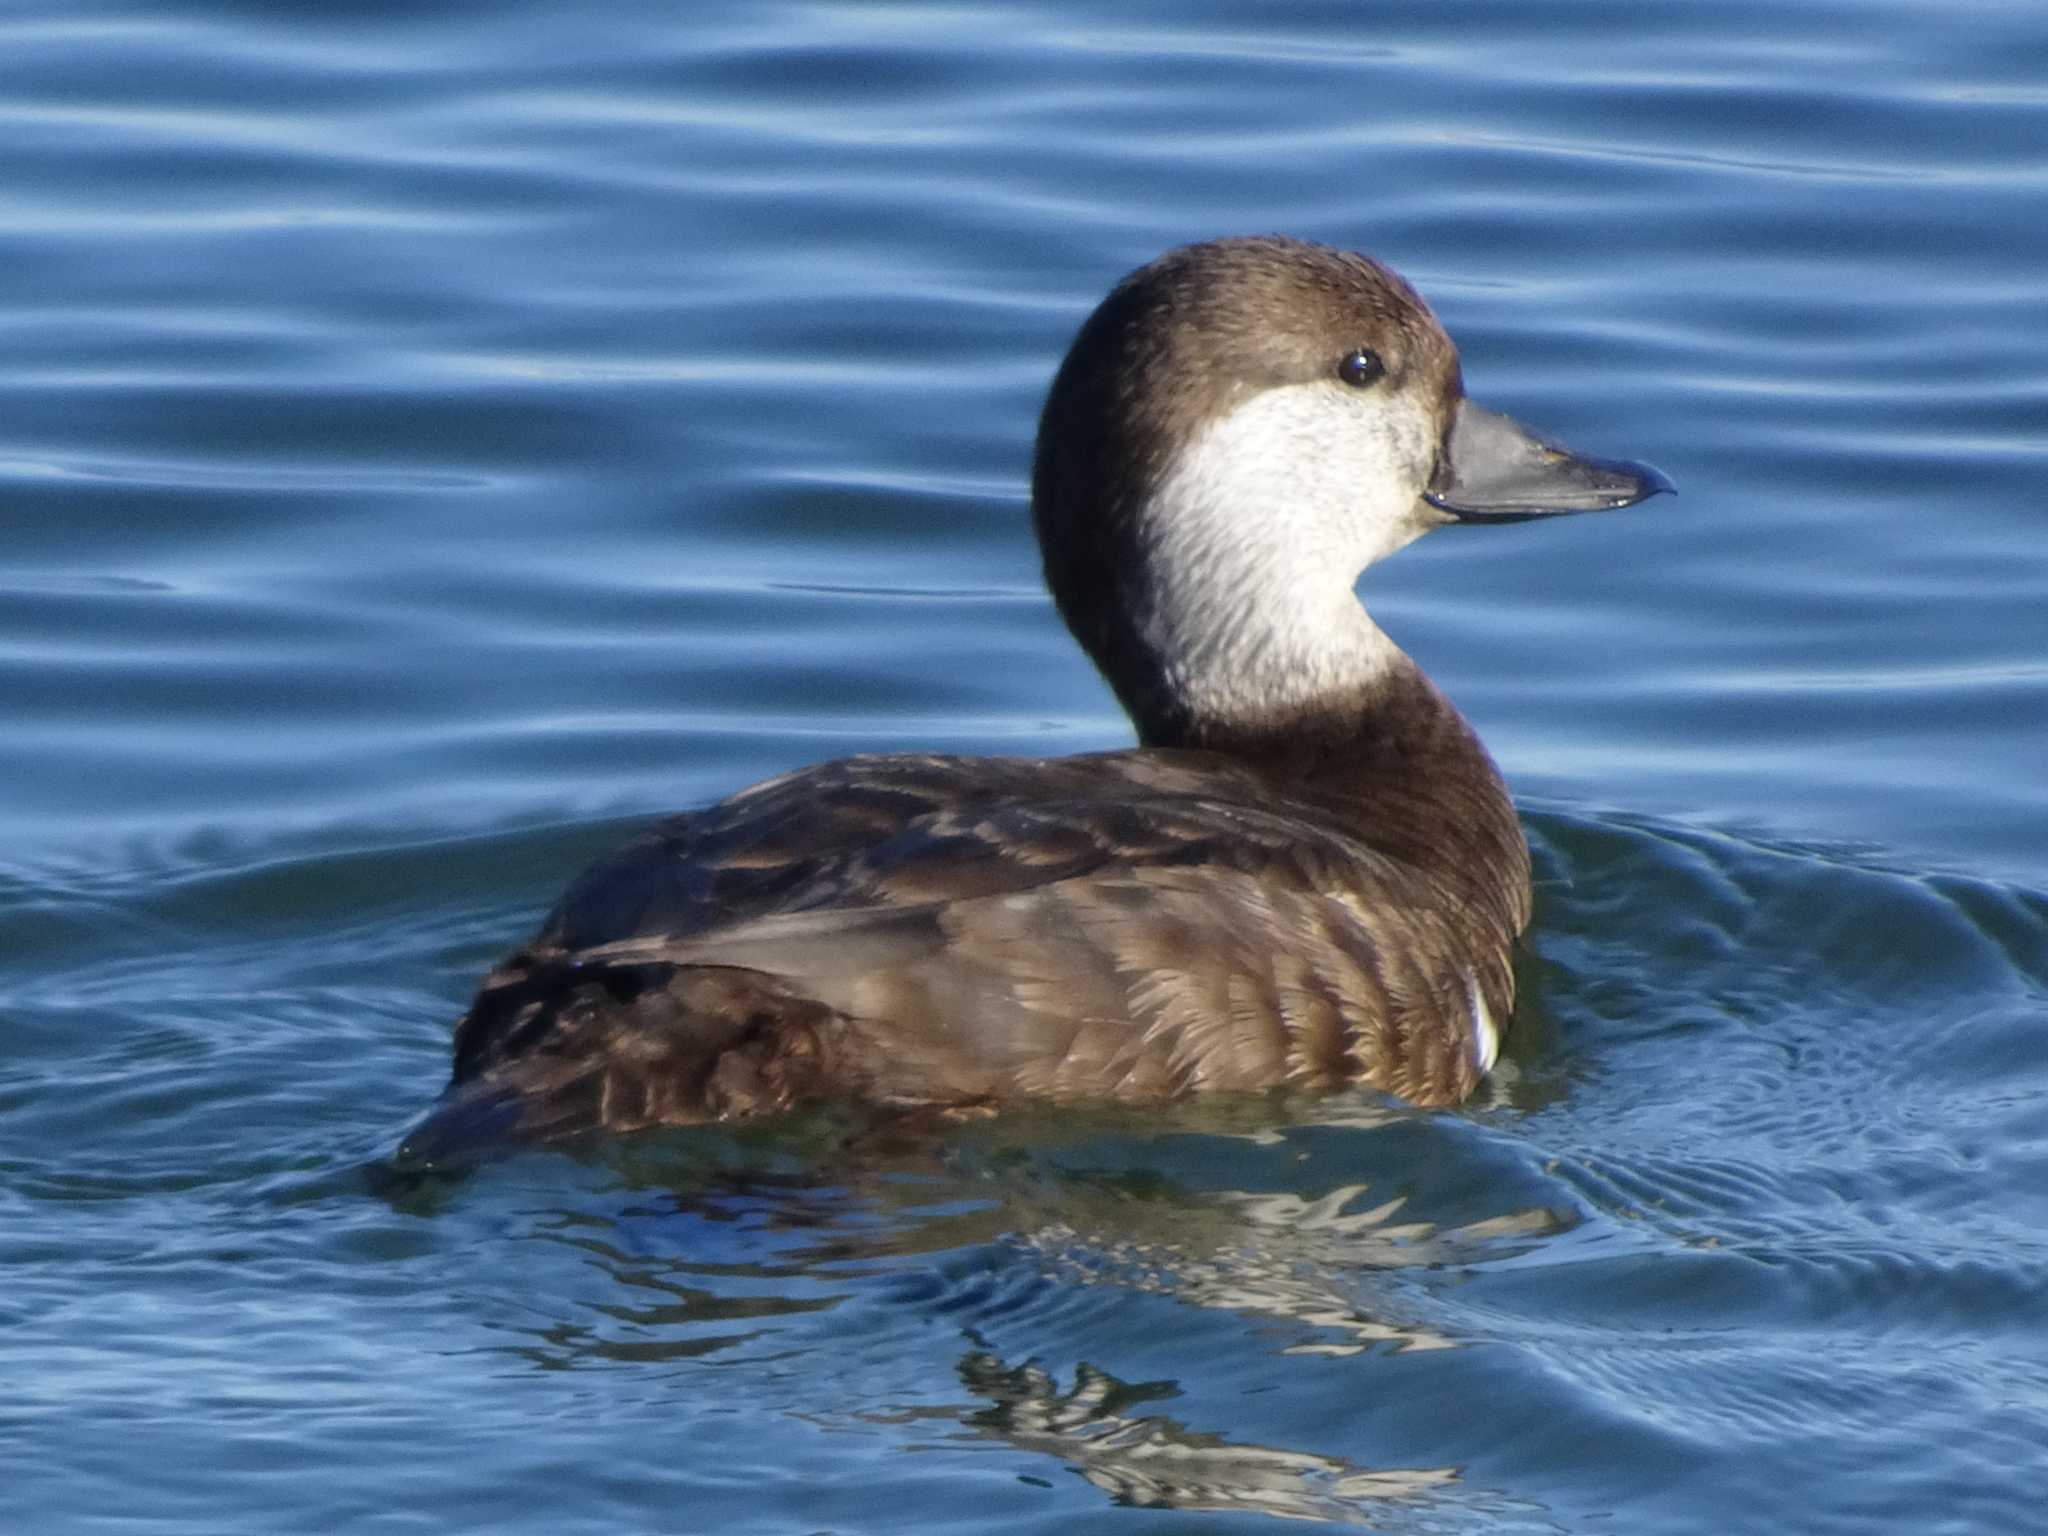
pixel 1393 762
pixel 1379 722
pixel 1237 605
pixel 1241 675
pixel 1312 695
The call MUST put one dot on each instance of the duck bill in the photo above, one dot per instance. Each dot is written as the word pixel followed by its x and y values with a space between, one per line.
pixel 1495 470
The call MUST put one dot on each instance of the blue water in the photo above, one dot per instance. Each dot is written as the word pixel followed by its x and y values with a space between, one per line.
pixel 433 440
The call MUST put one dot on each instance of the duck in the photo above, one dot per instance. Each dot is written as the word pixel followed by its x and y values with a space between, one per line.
pixel 1306 874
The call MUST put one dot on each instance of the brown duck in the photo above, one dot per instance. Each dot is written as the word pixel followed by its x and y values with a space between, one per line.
pixel 1308 873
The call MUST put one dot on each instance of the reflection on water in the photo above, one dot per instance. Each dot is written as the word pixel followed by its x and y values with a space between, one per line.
pixel 1277 1254
pixel 1040 1205
pixel 1155 1462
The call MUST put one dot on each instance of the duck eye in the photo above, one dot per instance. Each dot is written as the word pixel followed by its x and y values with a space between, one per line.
pixel 1360 368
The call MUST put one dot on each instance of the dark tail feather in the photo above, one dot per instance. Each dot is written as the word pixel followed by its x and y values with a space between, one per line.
pixel 487 1117
pixel 463 1126
pixel 551 1052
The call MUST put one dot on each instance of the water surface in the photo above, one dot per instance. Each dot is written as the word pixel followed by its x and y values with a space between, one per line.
pixel 433 442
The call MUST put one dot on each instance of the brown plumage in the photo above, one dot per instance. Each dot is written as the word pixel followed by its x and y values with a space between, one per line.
pixel 1321 891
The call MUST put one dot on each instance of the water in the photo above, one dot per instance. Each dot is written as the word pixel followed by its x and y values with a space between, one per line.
pixel 433 441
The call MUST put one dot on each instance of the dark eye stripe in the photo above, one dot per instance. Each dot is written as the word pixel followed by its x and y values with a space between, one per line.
pixel 1360 368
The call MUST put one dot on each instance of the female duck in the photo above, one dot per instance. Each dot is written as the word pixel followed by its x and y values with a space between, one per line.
pixel 1308 873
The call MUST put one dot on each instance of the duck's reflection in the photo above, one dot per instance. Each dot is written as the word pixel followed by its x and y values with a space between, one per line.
pixel 1156 1462
pixel 1024 1244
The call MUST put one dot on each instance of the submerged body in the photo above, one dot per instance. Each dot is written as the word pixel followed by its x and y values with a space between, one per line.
pixel 1309 873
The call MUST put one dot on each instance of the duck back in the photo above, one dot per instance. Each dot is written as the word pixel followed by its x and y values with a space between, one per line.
pixel 947 932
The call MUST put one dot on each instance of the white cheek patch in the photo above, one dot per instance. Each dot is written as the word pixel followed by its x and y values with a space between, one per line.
pixel 1322 472
pixel 1258 531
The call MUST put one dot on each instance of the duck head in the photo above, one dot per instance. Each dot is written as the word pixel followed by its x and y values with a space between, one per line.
pixel 1238 430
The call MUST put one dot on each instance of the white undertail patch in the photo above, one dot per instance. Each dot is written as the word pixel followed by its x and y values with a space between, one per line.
pixel 1485 1033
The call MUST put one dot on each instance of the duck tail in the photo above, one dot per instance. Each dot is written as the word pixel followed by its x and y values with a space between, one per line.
pixel 560 1047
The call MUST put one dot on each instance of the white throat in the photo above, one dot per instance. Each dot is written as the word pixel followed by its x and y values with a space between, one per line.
pixel 1256 536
